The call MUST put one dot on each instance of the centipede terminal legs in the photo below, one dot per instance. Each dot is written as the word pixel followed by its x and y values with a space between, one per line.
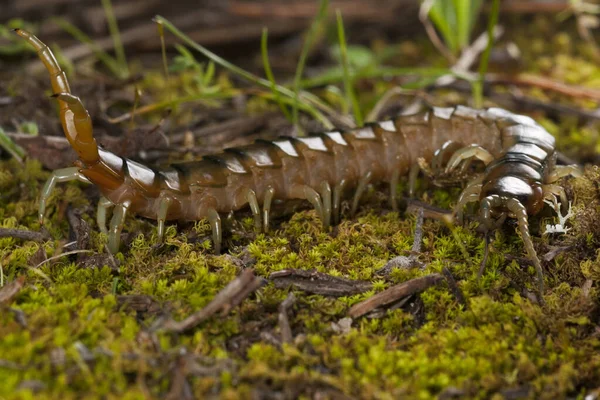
pixel 59 175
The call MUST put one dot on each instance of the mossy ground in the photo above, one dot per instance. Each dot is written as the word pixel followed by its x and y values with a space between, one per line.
pixel 71 333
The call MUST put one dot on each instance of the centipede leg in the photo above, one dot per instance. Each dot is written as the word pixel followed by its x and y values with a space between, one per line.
pixel 103 205
pixel 551 190
pixel 338 190
pixel 413 174
pixel 466 153
pixel 393 186
pixel 469 195
pixel 362 186
pixel 254 207
pixel 60 175
pixel 161 216
pixel 326 198
pixel 268 198
pixel 215 222
pixel 116 226
pixel 308 193
pixel 561 171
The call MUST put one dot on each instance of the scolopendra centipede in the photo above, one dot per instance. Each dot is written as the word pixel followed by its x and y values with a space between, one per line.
pixel 519 155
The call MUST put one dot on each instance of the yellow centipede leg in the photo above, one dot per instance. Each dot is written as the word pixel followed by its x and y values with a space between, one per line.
pixel 360 189
pixel 393 186
pixel 254 207
pixel 59 175
pixel 116 226
pixel 308 193
pixel 103 205
pixel 326 197
pixel 161 216
pixel 215 222
pixel 337 200
pixel 269 194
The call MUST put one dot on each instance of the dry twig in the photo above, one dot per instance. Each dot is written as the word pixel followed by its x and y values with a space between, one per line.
pixel 318 282
pixel 394 293
pixel 41 236
pixel 284 322
pixel 231 295
pixel 10 290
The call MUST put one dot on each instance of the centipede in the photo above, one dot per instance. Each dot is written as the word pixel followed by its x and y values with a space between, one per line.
pixel 519 169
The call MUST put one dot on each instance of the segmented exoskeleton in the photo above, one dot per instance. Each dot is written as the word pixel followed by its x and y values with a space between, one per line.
pixel 519 155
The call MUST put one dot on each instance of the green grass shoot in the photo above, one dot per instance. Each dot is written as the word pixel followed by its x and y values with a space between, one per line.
pixel 269 74
pixel 308 43
pixel 11 147
pixel 116 37
pixel 348 81
pixel 111 63
pixel 455 19
pixel 485 57
pixel 309 102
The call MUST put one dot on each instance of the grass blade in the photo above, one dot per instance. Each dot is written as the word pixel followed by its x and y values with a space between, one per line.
pixel 310 102
pixel 485 57
pixel 116 37
pixel 269 74
pixel 310 37
pixel 110 62
pixel 336 75
pixel 347 79
pixel 14 149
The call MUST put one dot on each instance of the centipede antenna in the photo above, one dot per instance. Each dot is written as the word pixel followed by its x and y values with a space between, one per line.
pixel 521 215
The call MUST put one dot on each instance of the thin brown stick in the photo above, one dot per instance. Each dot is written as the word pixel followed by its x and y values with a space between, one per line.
pixel 10 290
pixel 41 236
pixel 394 293
pixel 284 321
pixel 544 83
pixel 226 299
pixel 532 7
pixel 431 32
pixel 318 282
pixel 357 9
pixel 460 297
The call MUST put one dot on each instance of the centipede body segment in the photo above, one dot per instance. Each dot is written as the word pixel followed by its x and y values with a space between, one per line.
pixel 323 168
